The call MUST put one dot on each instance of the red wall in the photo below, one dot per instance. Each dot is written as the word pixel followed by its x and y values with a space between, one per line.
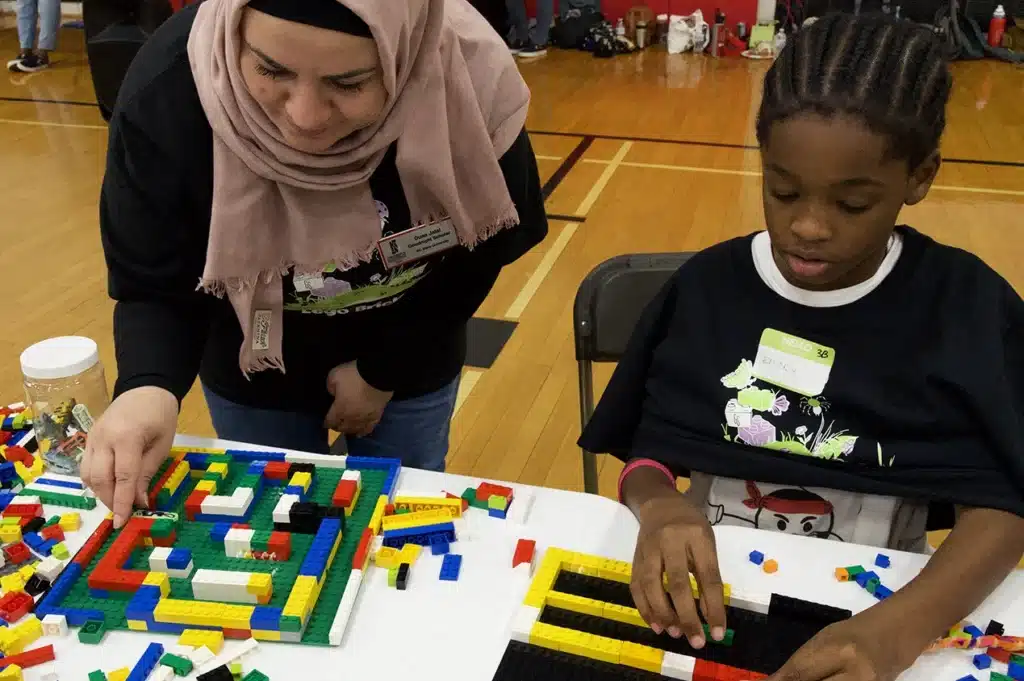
pixel 735 10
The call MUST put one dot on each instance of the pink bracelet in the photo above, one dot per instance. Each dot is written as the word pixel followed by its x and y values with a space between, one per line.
pixel 643 463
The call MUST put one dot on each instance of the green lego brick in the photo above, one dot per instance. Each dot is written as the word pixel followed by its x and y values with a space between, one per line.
pixel 255 675
pixel 66 500
pixel 248 481
pixel 92 631
pixel 726 640
pixel 236 670
pixel 97 675
pixel 470 496
pixel 400 511
pixel 54 520
pixel 60 551
pixel 393 576
pixel 854 570
pixel 1017 658
pixel 288 623
pixel 182 666
pixel 162 527
pixel 996 676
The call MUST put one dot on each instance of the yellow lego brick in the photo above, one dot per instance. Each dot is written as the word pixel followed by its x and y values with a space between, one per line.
pixel 378 514
pixel 302 598
pixel 8 642
pixel 386 558
pixel 727 593
pixel 195 450
pixel 409 553
pixel 177 477
pixel 138 625
pixel 260 584
pixel 28 630
pixel 587 606
pixel 24 472
pixel 593 646
pixel 26 572
pixel 207 486
pixel 10 533
pixel 417 518
pixel 641 657
pixel 301 479
pixel 161 580
pixel 545 635
pixel 535 598
pixel 119 674
pixel 616 571
pixel 11 520
pixel 427 503
pixel 219 468
pixel 235 616
pixel 621 613
pixel 12 672
pixel 197 638
pixel 12 582
pixel 261 635
pixel 355 501
pixel 70 522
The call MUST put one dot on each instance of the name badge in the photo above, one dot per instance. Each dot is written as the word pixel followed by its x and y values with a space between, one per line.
pixel 304 283
pixel 793 363
pixel 418 243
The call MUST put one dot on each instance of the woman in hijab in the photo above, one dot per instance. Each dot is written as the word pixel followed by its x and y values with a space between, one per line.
pixel 343 180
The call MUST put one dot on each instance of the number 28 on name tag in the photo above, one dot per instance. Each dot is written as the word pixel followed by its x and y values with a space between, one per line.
pixel 791 362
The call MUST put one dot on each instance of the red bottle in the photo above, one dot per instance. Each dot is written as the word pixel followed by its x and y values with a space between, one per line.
pixel 996 27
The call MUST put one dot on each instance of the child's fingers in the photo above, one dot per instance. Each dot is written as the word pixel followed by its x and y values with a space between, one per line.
pixel 684 607
pixel 709 580
pixel 646 586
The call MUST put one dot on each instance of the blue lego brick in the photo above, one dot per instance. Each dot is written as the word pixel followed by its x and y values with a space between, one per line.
pixel 8 423
pixel 296 490
pixel 46 548
pixel 450 567
pixel 981 661
pixel 867 576
pixel 371 463
pixel 497 513
pixel 1015 670
pixel 391 483
pixel 439 546
pixel 65 580
pixel 146 663
pixel 197 461
pixel 969 677
pixel 6 498
pixel 78 618
pixel 756 557
pixel 172 502
pixel 59 483
pixel 974 631
pixel 257 467
pixel 32 540
pixel 99 593
pixel 243 455
pixel 882 592
pixel 178 559
pixel 882 561
pixel 315 562
pixel 265 618
pixel 219 531
pixel 7 471
pixel 422 529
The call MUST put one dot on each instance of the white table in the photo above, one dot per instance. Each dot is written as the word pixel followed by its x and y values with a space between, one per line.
pixel 459 630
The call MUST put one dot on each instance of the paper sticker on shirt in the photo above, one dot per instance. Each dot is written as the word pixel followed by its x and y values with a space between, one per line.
pixel 793 363
pixel 418 243
pixel 340 296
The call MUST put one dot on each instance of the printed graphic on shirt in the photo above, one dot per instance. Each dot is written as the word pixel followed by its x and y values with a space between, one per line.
pixel 779 508
pixel 369 286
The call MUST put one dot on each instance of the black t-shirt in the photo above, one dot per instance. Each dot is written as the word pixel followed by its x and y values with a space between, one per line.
pixel 915 390
pixel 405 327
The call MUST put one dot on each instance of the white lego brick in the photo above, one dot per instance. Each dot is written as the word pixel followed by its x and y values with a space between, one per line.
pixel 16 405
pixel 232 654
pixel 36 486
pixel 63 478
pixel 376 544
pixel 49 673
pixel 184 573
pixel 522 504
pixel 48 568
pixel 320 460
pixel 201 656
pixel 750 600
pixel 158 559
pixel 26 499
pixel 291 637
pixel 351 474
pixel 461 528
pixel 523 621
pixel 221 585
pixel 55 625
pixel 676 666
pixel 344 613
pixel 283 507
pixel 238 541
pixel 162 673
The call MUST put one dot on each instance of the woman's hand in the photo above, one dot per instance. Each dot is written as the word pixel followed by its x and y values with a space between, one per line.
pixel 675 539
pixel 871 646
pixel 126 447
pixel 358 406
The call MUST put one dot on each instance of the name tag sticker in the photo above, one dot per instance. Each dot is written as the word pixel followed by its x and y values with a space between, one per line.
pixel 418 243
pixel 307 282
pixel 261 320
pixel 793 363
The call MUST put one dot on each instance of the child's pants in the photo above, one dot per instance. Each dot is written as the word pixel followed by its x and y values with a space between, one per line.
pixel 48 14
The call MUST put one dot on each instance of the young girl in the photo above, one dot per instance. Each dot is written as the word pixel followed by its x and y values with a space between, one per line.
pixel 837 376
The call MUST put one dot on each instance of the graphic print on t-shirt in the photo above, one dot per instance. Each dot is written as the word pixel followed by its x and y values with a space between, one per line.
pixel 790 510
pixel 369 286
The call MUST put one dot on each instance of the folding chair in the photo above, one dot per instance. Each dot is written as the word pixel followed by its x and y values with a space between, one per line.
pixel 608 305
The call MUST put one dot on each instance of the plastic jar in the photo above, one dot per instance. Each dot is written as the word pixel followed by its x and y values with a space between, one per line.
pixel 67 391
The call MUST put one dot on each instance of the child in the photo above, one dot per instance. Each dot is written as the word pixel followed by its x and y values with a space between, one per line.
pixel 837 376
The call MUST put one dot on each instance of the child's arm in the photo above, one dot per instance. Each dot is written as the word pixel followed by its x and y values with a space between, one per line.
pixel 881 642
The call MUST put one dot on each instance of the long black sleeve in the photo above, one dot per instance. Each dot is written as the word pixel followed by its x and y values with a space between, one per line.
pixel 440 307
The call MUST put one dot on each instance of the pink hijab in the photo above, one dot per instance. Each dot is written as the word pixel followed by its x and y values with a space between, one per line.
pixel 456 103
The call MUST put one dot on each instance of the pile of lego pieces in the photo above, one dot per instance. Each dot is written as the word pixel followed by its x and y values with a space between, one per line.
pixel 999 648
pixel 867 579
pixel 412 523
pixel 770 566
pixel 497 501
pixel 197 650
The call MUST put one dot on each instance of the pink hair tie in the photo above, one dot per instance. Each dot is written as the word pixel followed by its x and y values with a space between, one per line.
pixel 643 463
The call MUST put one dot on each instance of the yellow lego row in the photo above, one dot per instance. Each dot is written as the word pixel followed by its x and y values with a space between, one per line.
pixel 261 586
pixel 180 452
pixel 200 614
pixel 355 500
pixel 181 472
pixel 417 519
pixel 596 647
pixel 12 672
pixel 218 468
pixel 428 503
pixel 207 486
pixel 14 640
pixel 594 566
pixel 304 594
pixel 378 514
pixel 70 522
pixel 197 638
pixel 301 479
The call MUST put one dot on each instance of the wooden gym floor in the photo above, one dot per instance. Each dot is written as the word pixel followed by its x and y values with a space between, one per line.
pixel 641 153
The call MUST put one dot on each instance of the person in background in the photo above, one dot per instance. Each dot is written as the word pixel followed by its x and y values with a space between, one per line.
pixel 839 375
pixel 345 181
pixel 45 14
pixel 523 42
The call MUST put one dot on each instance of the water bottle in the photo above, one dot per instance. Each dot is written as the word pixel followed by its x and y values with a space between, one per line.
pixel 620 28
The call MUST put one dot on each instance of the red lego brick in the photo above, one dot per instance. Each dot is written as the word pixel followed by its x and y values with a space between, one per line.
pixel 23 510
pixel 240 526
pixel 52 532
pixel 17 552
pixel 167 541
pixel 5 437
pixel 240 634
pixel 14 605
pixel 999 654
pixel 94 543
pixel 524 552
pixel 276 470
pixel 344 494
pixel 359 560
pixel 465 502
pixel 280 544
pixel 21 454
pixel 486 489
pixel 389 509
pixel 29 658
pixel 194 503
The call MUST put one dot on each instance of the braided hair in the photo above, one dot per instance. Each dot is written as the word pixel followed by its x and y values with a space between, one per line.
pixel 891 73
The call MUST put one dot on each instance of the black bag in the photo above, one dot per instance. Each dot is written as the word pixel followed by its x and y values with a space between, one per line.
pixel 572 30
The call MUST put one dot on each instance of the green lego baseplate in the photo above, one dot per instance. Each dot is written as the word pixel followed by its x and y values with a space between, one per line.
pixel 72 596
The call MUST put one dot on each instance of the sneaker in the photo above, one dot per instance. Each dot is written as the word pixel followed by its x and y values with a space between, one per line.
pixel 32 63
pixel 516 46
pixel 12 65
pixel 530 51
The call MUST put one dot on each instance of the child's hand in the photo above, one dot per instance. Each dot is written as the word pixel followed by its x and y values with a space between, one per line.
pixel 675 539
pixel 863 648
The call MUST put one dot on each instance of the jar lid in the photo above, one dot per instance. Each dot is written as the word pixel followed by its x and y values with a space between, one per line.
pixel 61 357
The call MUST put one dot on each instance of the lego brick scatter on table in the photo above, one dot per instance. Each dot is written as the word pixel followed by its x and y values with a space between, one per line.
pixel 250 544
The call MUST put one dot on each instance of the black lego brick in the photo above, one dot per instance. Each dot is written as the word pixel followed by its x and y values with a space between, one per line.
pixel 526 662
pixel 485 339
pixel 796 608
pixel 604 590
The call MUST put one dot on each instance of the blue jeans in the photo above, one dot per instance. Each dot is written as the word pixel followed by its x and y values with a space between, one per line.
pixel 521 24
pixel 48 12
pixel 414 430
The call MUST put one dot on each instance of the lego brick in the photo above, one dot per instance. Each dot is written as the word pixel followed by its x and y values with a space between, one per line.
pixel 756 557
pixel 402 577
pixel 182 666
pixel 524 552
pixel 92 632
pixel 981 661
pixel 882 561
pixel 233 654
pixel 450 567
pixel 417 519
pixel 55 625
pixel 676 666
pixel 413 504
pixel 119 674
pixel 144 667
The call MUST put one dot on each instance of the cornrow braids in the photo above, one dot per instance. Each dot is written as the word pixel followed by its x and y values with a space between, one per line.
pixel 892 73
